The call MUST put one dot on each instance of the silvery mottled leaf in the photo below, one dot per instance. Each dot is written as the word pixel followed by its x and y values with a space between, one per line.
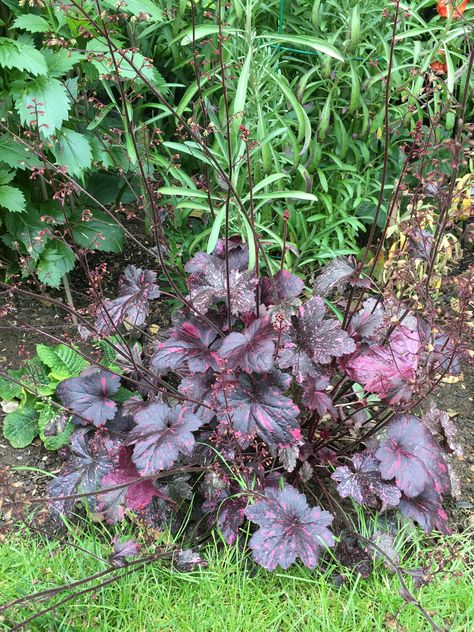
pixel 161 435
pixel 335 275
pixel 136 288
pixel 289 528
pixel 187 560
pixel 122 551
pixel 439 422
pixel 254 404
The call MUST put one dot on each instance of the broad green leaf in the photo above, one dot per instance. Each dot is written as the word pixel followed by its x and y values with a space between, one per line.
pixel 46 419
pixel 14 154
pixel 9 389
pixel 306 41
pixel 56 260
pixel 21 427
pixel 31 23
pixel 61 61
pixel 49 96
pixel 63 361
pixel 72 150
pixel 100 233
pixel 138 7
pixel 25 228
pixel 34 378
pixel 22 56
pixel 128 63
pixel 12 199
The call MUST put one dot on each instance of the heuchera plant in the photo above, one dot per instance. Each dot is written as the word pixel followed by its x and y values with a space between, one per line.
pixel 254 410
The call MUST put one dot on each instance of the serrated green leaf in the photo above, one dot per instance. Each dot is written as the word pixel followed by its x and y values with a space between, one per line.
pixel 16 155
pixel 6 176
pixel 63 361
pixel 21 427
pixel 138 7
pixel 100 233
pixel 12 199
pixel 31 23
pixel 50 98
pixel 10 390
pixel 26 228
pixel 56 260
pixel 105 66
pixel 34 377
pixel 61 61
pixel 72 150
pixel 22 56
pixel 46 418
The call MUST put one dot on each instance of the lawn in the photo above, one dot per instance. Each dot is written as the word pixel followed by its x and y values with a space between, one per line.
pixel 231 594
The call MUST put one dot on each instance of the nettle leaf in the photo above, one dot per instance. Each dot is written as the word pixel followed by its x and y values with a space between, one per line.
pixel 47 95
pixel 255 405
pixel 92 457
pixel 207 284
pixel 136 288
pixel 161 435
pixel 189 344
pixel 364 484
pixel 12 199
pixel 315 396
pixel 31 23
pixel 21 427
pixel 289 529
pixel 252 350
pixel 16 155
pixel 335 275
pixel 411 456
pixel 63 361
pixel 61 61
pixel 90 396
pixel 22 56
pixel 389 370
pixel 426 509
pixel 287 286
pixel 135 497
pixel 72 150
pixel 99 232
pixel 314 340
pixel 56 260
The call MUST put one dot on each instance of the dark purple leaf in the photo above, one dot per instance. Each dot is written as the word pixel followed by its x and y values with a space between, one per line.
pixel 187 560
pixel 411 456
pixel 447 355
pixel 208 285
pixel 354 558
pixel 255 404
pixel 289 529
pixel 439 422
pixel 189 345
pixel 252 350
pixel 315 339
pixel 90 396
pixel 287 286
pixel 335 275
pixel 135 497
pixel 92 457
pixel 315 396
pixel 200 388
pixel 420 243
pixel 365 323
pixel 161 435
pixel 389 370
pixel 136 288
pixel 230 516
pixel 122 551
pixel 426 509
pixel 364 483
pixel 238 253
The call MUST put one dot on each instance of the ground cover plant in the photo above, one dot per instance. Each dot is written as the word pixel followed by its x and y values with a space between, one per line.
pixel 272 400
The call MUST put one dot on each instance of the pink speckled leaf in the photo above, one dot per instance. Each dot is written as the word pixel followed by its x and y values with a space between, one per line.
pixel 315 340
pixel 289 528
pixel 161 435
pixel 90 396
pixel 335 275
pixel 315 396
pixel 410 455
pixel 189 345
pixel 207 284
pixel 252 350
pixel 92 457
pixel 136 288
pixel 426 509
pixel 364 483
pixel 255 405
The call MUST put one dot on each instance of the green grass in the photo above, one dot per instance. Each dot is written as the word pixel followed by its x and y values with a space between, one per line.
pixel 230 595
